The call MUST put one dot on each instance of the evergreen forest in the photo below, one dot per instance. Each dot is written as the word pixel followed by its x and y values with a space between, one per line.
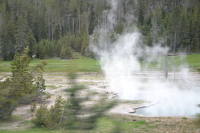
pixel 59 28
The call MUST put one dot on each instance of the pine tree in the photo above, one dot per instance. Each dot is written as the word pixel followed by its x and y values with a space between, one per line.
pixel 22 87
pixel 84 23
pixel 21 34
pixel 156 24
pixel 31 42
pixel 84 44
pixel 196 41
pixel 8 41
pixel 51 19
pixel 141 12
pixel 184 31
pixel 57 33
pixel 175 27
pixel 63 52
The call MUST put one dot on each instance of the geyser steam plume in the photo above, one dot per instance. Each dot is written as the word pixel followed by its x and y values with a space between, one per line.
pixel 119 56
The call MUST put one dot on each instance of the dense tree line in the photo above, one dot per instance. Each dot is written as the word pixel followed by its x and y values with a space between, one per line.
pixel 46 26
pixel 174 21
pixel 56 28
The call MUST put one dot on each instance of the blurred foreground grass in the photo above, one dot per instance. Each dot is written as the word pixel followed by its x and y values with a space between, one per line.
pixel 127 124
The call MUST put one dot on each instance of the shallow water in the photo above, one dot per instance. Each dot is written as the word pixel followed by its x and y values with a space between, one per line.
pixel 160 110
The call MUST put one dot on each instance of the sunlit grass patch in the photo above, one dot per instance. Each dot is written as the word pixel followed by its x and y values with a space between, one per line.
pixel 134 124
pixel 108 125
pixel 82 64
pixel 194 61
pixel 105 125
pixel 86 64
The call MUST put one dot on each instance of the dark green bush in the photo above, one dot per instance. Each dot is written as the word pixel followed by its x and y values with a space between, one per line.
pixel 41 116
pixel 50 118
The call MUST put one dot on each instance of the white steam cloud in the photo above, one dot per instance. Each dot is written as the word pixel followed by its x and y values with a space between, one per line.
pixel 119 57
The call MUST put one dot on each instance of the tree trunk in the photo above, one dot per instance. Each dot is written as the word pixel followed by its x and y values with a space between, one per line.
pixel 175 42
pixel 69 24
pixel 73 25
pixel 52 31
pixel 166 66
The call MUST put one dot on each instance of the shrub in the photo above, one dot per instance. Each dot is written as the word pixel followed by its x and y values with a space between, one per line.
pixel 41 116
pixel 33 107
pixel 55 114
pixel 50 118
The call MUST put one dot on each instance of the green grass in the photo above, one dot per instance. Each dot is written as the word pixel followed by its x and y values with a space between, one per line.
pixel 123 123
pixel 85 64
pixel 130 125
pixel 193 61
pixel 95 93
pixel 174 62
pixel 32 130
pixel 184 118
pixel 26 122
pixel 104 125
pixel 5 66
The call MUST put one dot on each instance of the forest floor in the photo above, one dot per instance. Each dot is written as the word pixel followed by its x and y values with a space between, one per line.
pixel 56 83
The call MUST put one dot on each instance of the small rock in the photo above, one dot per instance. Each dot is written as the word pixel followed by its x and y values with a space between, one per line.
pixel 133 111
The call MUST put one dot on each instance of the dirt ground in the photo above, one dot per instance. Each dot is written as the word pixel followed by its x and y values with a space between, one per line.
pixel 56 83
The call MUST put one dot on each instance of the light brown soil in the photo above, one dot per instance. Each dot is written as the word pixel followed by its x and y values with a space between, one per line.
pixel 95 82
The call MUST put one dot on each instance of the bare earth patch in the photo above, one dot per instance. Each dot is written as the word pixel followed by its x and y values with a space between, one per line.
pixel 57 83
